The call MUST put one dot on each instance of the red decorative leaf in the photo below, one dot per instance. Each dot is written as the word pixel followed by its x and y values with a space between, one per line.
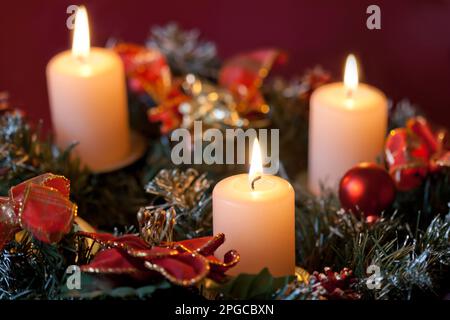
pixel 131 244
pixel 206 246
pixel 183 263
pixel 116 261
pixel 184 269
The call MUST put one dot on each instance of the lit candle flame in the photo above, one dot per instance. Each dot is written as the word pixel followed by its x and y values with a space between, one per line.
pixel 81 39
pixel 351 74
pixel 256 166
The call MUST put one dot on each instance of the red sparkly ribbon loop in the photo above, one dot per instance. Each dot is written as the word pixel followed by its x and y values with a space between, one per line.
pixel 39 205
pixel 243 76
pixel 413 152
pixel 147 70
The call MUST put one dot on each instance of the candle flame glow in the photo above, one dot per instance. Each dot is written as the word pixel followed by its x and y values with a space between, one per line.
pixel 81 39
pixel 256 166
pixel 351 74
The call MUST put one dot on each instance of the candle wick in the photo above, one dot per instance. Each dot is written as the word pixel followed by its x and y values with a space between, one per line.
pixel 82 59
pixel 254 180
pixel 349 93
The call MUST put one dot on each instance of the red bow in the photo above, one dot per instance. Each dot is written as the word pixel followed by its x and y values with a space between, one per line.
pixel 41 206
pixel 183 263
pixel 243 76
pixel 413 152
pixel 167 112
pixel 147 70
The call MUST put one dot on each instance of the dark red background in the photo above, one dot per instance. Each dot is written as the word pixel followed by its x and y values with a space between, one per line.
pixel 409 57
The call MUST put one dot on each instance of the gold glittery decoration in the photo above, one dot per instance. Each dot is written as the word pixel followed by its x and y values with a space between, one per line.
pixel 183 189
pixel 156 224
pixel 209 103
pixel 302 275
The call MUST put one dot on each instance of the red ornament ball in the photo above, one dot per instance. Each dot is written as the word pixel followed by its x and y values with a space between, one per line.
pixel 367 189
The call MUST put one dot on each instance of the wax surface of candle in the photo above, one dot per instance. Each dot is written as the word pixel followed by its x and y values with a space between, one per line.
pixel 88 105
pixel 344 130
pixel 259 223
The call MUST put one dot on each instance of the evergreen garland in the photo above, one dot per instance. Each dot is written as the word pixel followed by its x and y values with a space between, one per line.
pixel 410 247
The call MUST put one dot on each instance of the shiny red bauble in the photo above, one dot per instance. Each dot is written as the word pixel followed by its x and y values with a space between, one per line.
pixel 367 189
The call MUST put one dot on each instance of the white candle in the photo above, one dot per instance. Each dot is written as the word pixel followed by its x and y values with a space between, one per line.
pixel 347 125
pixel 258 221
pixel 88 103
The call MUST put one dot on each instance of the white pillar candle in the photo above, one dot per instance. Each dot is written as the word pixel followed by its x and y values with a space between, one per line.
pixel 347 125
pixel 87 92
pixel 258 222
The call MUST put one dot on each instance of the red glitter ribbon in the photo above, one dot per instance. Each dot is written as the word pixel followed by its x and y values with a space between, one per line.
pixel 415 151
pixel 148 72
pixel 243 75
pixel 146 69
pixel 41 206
